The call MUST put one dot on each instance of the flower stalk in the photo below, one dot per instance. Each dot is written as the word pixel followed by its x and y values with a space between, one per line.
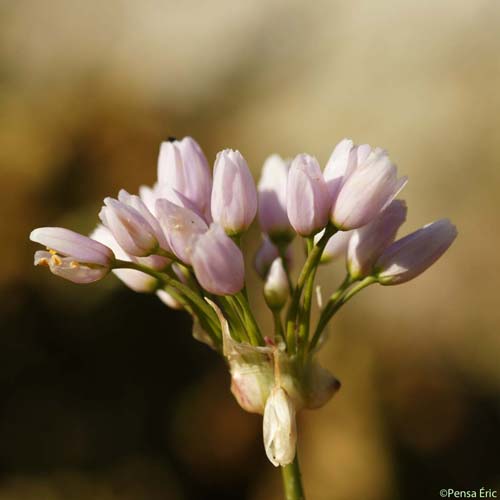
pixel 292 481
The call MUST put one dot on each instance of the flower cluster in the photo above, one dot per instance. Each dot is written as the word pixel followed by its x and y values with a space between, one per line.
pixel 181 239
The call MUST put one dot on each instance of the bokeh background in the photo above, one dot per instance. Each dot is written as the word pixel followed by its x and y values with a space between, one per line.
pixel 103 392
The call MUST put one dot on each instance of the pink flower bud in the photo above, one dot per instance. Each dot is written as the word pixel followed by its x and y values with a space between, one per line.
pixel 366 191
pixel 336 246
pixel 180 225
pixel 412 255
pixel 138 204
pixel 308 199
pixel 168 300
pixel 130 229
pixel 276 286
pixel 218 262
pixel 71 255
pixel 149 196
pixel 265 256
pixel 368 242
pixel 234 197
pixel 136 280
pixel 167 193
pixel 272 189
pixel 182 166
pixel 280 430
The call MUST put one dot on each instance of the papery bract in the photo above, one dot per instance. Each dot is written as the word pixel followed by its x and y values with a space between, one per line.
pixel 412 255
pixel 251 368
pixel 182 166
pixel 320 385
pixel 368 242
pixel 272 193
pixel 308 199
pixel 234 196
pixel 218 262
pixel 279 426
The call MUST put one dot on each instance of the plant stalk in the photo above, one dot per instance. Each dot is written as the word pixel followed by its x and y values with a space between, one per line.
pixel 292 481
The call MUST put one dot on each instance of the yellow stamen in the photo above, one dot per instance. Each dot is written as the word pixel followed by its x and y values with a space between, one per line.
pixel 56 260
pixel 43 262
pixel 74 264
pixel 52 252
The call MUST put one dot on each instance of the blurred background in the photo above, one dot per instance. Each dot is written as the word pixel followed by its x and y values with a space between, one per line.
pixel 104 394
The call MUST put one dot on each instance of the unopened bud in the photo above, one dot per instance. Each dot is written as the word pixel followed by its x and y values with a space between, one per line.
pixel 234 196
pixel 276 286
pixel 279 426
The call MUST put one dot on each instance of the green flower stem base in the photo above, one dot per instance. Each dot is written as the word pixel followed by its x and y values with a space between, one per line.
pixel 292 481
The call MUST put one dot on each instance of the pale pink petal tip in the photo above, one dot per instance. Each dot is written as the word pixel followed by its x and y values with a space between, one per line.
pixel 71 244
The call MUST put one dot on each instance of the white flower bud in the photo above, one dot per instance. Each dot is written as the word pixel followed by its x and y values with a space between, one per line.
pixel 280 430
pixel 276 286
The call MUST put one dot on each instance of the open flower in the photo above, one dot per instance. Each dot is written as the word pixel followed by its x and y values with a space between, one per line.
pixel 71 255
pixel 365 191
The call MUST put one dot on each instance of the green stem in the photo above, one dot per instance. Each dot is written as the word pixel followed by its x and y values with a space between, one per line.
pixel 305 312
pixel 232 311
pixel 337 300
pixel 332 301
pixel 292 481
pixel 253 329
pixel 310 264
pixel 286 267
pixel 278 328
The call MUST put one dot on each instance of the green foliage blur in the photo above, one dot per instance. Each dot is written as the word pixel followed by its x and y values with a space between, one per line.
pixel 103 392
